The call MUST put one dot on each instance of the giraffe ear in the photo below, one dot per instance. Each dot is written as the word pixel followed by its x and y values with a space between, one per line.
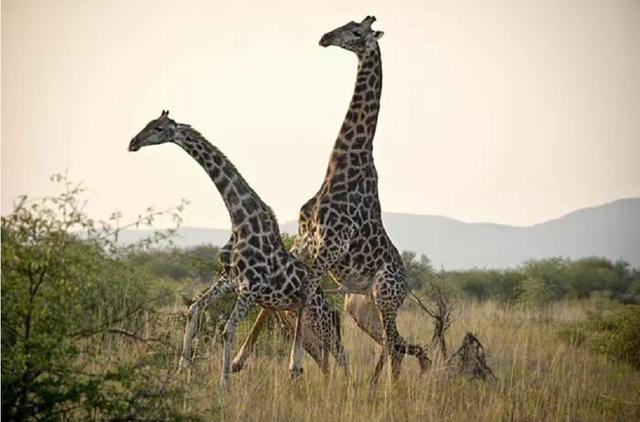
pixel 378 34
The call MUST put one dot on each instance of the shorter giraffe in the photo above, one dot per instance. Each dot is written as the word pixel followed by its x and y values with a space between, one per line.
pixel 257 266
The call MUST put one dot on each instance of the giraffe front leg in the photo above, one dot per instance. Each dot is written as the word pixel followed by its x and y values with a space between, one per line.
pixel 247 348
pixel 239 312
pixel 220 288
pixel 295 359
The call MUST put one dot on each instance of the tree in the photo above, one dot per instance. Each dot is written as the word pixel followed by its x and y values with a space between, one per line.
pixel 64 280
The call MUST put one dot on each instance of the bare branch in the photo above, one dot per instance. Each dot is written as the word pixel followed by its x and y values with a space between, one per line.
pixel 441 314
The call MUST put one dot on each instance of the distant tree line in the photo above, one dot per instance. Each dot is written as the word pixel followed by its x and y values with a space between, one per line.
pixel 536 281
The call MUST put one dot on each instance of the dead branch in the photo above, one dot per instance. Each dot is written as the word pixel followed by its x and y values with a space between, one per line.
pixel 136 337
pixel 441 313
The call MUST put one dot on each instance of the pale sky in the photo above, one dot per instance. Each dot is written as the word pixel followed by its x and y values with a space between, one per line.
pixel 507 111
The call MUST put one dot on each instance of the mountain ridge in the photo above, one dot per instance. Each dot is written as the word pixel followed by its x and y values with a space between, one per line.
pixel 610 230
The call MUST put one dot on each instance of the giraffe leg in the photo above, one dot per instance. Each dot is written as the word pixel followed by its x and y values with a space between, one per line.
pixel 332 339
pixel 392 341
pixel 295 359
pixel 325 360
pixel 341 357
pixel 324 258
pixel 239 312
pixel 313 345
pixel 379 365
pixel 250 342
pixel 364 313
pixel 321 330
pixel 309 341
pixel 219 289
pixel 388 300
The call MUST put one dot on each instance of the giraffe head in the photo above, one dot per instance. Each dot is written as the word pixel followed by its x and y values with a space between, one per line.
pixel 157 131
pixel 355 37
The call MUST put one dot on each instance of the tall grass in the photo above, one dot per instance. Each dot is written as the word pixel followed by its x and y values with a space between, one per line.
pixel 540 377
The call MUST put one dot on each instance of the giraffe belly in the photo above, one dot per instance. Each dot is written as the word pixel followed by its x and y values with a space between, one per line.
pixel 286 296
pixel 277 302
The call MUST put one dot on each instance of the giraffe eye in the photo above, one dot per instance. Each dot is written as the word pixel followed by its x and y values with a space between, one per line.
pixel 357 33
pixel 158 129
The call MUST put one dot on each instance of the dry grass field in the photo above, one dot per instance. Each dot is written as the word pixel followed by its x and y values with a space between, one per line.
pixel 540 377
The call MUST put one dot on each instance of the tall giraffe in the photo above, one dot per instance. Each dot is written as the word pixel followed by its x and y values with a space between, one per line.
pixel 340 228
pixel 256 264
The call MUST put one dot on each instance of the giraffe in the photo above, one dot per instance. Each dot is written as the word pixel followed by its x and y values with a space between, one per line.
pixel 340 229
pixel 256 264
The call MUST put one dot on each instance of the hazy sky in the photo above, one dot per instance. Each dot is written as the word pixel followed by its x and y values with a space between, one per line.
pixel 507 111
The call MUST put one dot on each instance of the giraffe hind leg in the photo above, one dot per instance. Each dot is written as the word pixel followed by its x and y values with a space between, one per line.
pixel 396 346
pixel 378 368
pixel 393 342
pixel 365 314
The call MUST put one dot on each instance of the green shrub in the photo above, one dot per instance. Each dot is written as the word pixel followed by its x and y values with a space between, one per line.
pixel 614 333
pixel 618 335
pixel 65 282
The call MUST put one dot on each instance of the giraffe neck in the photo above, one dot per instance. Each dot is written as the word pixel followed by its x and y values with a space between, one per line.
pixel 240 199
pixel 359 126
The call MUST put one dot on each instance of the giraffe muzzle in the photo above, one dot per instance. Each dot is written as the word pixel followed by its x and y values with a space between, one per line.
pixel 134 145
pixel 325 41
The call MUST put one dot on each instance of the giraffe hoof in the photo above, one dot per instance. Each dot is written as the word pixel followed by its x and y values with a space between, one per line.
pixel 295 373
pixel 425 365
pixel 183 364
pixel 236 367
